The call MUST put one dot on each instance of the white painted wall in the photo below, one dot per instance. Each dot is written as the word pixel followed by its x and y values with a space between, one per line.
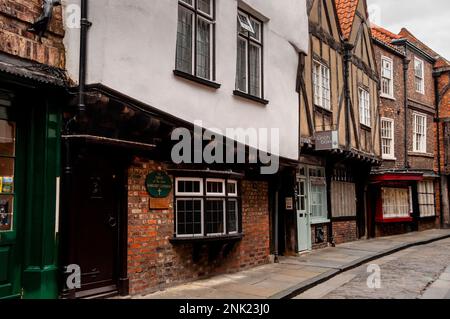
pixel 132 50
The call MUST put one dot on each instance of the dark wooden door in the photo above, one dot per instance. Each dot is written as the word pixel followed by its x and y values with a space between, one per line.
pixel 96 205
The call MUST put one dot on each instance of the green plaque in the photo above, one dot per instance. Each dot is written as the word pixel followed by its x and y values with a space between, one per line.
pixel 159 184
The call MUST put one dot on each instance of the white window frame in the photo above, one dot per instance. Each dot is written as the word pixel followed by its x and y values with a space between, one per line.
pixel 391 155
pixel 420 77
pixel 403 214
pixel 235 183
pixel 424 195
pixel 321 98
pixel 324 218
pixel 188 179
pixel 420 146
pixel 365 115
pixel 389 94
pixel 215 180
pixel 202 216
pixel 224 215
pixel 231 199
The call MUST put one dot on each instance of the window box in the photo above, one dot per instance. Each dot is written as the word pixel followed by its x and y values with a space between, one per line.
pixel 196 79
pixel 250 97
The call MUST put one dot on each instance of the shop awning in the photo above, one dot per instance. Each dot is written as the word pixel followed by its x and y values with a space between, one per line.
pixel 397 177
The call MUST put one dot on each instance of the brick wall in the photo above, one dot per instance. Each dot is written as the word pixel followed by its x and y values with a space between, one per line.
pixel 16 16
pixel 154 263
pixel 315 243
pixel 344 231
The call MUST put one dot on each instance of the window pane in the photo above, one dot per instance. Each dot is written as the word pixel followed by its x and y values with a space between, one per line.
pixel 255 70
pixel 189 187
pixel 6 212
pixel 184 41
pixel 214 215
pixel 232 188
pixel 232 216
pixel 189 217
pixel 7 138
pixel 257 28
pixel 213 187
pixel 204 6
pixel 203 48
pixel 189 2
pixel 241 76
pixel 396 202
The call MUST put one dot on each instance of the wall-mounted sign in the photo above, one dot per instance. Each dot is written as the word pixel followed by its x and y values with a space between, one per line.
pixel 326 141
pixel 159 184
pixel 289 203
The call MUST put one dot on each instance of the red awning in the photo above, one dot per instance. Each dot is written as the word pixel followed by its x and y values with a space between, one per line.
pixel 397 177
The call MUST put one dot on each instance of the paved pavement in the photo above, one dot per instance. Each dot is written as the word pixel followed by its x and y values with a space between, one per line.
pixel 420 272
pixel 294 275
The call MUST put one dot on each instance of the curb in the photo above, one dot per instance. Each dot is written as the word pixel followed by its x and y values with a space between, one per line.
pixel 310 283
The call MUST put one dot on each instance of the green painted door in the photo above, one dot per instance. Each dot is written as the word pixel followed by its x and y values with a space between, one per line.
pixel 10 269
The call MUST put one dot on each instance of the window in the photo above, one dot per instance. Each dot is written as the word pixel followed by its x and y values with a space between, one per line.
pixel 195 38
pixel 396 202
pixel 387 138
pixel 419 75
pixel 419 133
pixel 318 195
pixel 387 83
pixel 364 107
pixel 343 198
pixel 249 70
pixel 321 79
pixel 7 160
pixel 210 210
pixel 426 194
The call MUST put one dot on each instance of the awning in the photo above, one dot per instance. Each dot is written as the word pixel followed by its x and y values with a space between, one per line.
pixel 32 71
pixel 396 177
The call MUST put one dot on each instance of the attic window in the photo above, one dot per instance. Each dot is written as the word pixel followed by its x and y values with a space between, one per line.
pixel 245 23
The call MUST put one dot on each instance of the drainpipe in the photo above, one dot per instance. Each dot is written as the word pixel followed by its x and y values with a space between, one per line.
pixel 438 123
pixel 85 24
pixel 348 47
pixel 406 62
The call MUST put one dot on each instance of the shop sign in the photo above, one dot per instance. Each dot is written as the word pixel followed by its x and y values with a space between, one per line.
pixel 326 141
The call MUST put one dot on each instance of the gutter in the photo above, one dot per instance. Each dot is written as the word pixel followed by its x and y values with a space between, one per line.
pixel 406 63
pixel 85 25
pixel 438 136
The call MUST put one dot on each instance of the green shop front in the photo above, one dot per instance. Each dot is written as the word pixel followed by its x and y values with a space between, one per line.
pixel 29 178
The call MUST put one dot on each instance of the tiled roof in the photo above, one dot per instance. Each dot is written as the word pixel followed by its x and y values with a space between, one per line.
pixel 346 11
pixel 385 36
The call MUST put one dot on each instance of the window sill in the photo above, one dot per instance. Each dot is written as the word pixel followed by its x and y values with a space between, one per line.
pixel 389 158
pixel 320 221
pixel 366 128
pixel 388 97
pixel 196 79
pixel 417 154
pixel 394 220
pixel 206 239
pixel 250 97
pixel 323 110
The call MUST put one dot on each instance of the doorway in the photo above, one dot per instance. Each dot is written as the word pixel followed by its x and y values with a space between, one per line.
pixel 97 220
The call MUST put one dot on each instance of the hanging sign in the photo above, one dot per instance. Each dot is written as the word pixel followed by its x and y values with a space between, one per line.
pixel 326 141
pixel 158 184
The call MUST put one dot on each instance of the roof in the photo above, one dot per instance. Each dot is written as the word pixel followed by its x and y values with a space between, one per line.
pixel 406 34
pixel 386 37
pixel 346 11
pixel 32 71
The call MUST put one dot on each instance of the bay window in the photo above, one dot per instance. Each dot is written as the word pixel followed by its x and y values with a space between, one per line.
pixel 397 202
pixel 195 38
pixel 206 207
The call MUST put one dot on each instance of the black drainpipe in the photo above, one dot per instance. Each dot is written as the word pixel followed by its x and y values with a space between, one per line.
pixel 406 62
pixel 348 47
pixel 85 24
pixel 438 123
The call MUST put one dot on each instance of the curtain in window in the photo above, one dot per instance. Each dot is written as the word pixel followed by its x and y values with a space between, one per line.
pixel 396 202
pixel 426 198
pixel 184 41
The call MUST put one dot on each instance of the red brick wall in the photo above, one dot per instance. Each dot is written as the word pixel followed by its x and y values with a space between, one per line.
pixel 154 263
pixel 16 16
pixel 344 231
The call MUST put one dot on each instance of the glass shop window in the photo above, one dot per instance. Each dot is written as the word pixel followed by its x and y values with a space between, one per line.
pixel 7 161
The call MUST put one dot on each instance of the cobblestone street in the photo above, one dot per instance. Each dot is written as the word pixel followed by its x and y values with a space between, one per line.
pixel 415 273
